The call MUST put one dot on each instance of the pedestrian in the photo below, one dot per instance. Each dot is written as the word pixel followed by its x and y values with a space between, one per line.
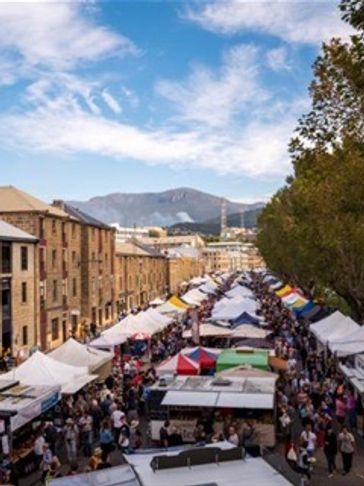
pixel 106 438
pixel 164 434
pixel 346 446
pixel 116 421
pixel 340 409
pixel 303 462
pixel 310 438
pixel 71 436
pixel 46 462
pixel 39 448
pixel 86 425
pixel 330 450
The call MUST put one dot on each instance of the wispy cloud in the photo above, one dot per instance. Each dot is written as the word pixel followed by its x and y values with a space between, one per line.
pixel 56 36
pixel 214 98
pixel 111 102
pixel 308 22
pixel 220 120
pixel 277 59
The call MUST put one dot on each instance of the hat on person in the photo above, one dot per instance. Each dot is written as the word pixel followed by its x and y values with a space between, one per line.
pixel 69 421
pixel 134 424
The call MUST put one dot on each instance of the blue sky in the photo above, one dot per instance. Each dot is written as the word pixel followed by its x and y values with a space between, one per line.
pixel 131 96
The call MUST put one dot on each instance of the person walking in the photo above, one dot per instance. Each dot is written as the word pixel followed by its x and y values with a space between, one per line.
pixel 311 439
pixel 330 450
pixel 71 435
pixel 346 446
pixel 106 438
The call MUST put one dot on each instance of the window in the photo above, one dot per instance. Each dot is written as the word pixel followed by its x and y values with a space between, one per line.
pixel 73 230
pixel 24 258
pixel 24 292
pixel 5 257
pixel 41 228
pixel 55 329
pixel 25 335
pixel 74 287
pixel 54 292
pixel 54 226
pixel 54 258
pixel 74 256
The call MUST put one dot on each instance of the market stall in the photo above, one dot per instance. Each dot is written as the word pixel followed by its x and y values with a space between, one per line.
pixel 21 408
pixel 76 354
pixel 248 402
pixel 42 370
pixel 258 358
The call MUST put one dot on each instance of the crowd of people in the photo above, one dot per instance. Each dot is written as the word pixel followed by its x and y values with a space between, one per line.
pixel 316 409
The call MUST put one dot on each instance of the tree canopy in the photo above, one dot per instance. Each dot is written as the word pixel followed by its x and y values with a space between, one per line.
pixel 312 232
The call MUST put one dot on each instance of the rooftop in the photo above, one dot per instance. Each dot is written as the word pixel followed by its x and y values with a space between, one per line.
pixel 84 217
pixel 13 200
pixel 11 233
pixel 137 249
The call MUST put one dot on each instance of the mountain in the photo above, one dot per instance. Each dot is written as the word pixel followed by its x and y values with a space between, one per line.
pixel 213 227
pixel 182 205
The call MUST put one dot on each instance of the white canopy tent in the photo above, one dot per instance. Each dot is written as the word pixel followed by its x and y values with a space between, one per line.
pixel 250 332
pixel 76 354
pixel 194 297
pixel 333 327
pixel 209 330
pixel 349 344
pixel 157 301
pixel 234 309
pixel 239 290
pixel 209 287
pixel 168 308
pixel 42 370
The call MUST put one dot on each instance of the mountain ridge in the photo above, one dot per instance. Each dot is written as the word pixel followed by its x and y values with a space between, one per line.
pixel 165 208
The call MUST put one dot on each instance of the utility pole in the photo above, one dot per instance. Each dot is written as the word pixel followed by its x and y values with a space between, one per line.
pixel 223 223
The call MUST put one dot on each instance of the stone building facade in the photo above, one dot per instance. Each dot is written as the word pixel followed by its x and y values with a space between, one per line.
pixel 184 263
pixel 59 235
pixel 97 263
pixel 19 310
pixel 141 275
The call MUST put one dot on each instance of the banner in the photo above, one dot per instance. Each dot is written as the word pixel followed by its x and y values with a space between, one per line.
pixel 195 331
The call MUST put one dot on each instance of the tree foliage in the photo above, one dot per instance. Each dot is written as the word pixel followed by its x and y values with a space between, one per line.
pixel 312 231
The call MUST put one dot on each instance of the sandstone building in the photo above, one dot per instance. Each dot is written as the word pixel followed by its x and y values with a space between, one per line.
pixel 19 310
pixel 141 275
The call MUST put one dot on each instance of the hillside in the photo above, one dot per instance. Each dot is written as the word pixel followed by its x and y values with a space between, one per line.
pixel 182 205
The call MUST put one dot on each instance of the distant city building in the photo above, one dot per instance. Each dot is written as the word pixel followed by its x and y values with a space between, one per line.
pixel 184 263
pixel 124 233
pixel 231 256
pixel 19 316
pixel 141 275
pixel 168 242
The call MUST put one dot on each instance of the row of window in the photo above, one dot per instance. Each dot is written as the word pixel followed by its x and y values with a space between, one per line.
pixel 6 257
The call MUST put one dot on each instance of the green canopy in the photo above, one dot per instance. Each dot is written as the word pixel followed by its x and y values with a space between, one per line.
pixel 257 358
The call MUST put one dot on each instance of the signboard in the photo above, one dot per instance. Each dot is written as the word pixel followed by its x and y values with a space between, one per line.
pixel 195 331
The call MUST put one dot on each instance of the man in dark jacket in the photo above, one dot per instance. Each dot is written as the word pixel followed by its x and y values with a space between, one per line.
pixel 330 449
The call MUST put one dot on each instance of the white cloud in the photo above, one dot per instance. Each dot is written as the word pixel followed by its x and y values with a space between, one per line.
pixel 62 126
pixel 56 35
pixel 309 21
pixel 111 102
pixel 278 59
pixel 214 99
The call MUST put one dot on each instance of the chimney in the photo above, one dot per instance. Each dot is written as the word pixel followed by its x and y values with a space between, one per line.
pixel 58 203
